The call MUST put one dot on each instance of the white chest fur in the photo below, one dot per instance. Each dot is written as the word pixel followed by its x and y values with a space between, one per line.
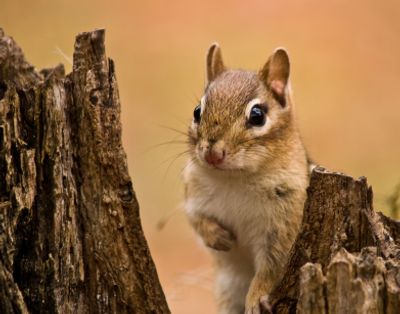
pixel 250 205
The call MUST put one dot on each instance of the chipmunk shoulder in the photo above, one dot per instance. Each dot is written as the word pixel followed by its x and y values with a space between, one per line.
pixel 246 178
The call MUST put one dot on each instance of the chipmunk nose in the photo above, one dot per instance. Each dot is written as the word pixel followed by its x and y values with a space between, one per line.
pixel 215 157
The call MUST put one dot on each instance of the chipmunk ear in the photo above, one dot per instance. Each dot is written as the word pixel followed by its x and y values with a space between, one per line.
pixel 215 64
pixel 275 74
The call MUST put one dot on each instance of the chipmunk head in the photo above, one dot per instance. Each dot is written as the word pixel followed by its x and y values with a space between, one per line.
pixel 244 119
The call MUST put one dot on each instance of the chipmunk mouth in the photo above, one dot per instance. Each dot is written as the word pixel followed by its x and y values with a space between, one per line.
pixel 211 161
pixel 218 162
pixel 212 153
pixel 238 161
pixel 214 157
pixel 219 156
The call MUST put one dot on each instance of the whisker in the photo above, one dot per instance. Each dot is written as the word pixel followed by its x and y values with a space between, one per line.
pixel 173 129
pixel 182 121
pixel 189 163
pixel 166 143
pixel 195 97
pixel 175 158
pixel 162 222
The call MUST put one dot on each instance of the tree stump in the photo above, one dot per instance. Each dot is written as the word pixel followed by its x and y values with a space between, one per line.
pixel 345 258
pixel 71 240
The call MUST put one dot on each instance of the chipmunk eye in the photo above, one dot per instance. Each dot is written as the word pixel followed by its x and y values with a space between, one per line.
pixel 257 116
pixel 197 114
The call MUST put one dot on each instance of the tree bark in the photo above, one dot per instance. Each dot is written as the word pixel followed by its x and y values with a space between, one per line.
pixel 346 256
pixel 71 240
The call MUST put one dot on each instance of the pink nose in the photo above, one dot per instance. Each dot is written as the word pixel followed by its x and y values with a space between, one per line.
pixel 214 158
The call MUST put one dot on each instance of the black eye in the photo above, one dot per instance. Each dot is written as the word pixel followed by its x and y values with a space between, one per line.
pixel 197 114
pixel 257 116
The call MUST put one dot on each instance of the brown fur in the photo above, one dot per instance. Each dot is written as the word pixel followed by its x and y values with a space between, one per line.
pixel 214 234
pixel 268 169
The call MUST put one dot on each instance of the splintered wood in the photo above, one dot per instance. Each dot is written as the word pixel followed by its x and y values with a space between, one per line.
pixel 71 240
pixel 346 256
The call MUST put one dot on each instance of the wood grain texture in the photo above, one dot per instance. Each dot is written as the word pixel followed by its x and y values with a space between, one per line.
pixel 346 256
pixel 71 240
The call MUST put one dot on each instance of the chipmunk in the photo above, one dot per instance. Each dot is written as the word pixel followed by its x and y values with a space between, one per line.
pixel 246 178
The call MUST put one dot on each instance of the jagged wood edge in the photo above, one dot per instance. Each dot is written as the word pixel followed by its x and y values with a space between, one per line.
pixel 338 214
pixel 50 113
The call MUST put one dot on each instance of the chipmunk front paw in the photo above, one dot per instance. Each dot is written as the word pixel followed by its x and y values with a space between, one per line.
pixel 218 237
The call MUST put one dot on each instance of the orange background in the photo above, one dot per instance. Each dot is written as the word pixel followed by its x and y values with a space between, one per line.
pixel 345 76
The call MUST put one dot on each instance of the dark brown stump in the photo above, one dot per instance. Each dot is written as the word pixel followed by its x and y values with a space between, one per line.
pixel 346 256
pixel 71 240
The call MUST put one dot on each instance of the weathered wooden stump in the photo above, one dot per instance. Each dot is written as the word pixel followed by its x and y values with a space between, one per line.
pixel 71 240
pixel 346 256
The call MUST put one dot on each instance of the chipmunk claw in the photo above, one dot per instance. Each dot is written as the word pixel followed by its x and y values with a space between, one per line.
pixel 261 307
pixel 265 304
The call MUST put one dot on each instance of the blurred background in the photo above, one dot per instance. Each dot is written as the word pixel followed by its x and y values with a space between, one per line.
pixel 345 76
